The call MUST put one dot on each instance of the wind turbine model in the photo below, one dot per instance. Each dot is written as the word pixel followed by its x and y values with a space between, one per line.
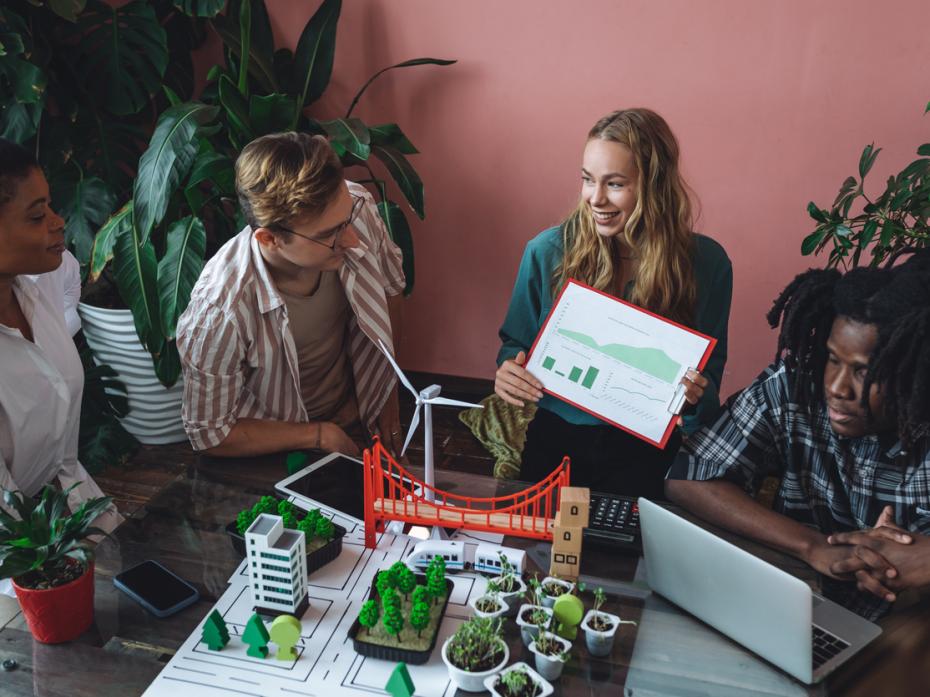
pixel 425 398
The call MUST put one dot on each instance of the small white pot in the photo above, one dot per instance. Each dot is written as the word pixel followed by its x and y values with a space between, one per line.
pixel 503 607
pixel 600 643
pixel 544 685
pixel 471 682
pixel 549 600
pixel 550 667
pixel 529 631
pixel 513 597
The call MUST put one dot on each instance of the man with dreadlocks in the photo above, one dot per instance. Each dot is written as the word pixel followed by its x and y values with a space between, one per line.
pixel 842 418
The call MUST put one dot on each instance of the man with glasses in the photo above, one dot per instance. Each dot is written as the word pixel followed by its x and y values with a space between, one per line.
pixel 278 343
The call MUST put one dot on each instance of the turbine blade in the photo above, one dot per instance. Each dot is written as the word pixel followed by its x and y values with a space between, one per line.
pixel 400 373
pixel 443 401
pixel 414 422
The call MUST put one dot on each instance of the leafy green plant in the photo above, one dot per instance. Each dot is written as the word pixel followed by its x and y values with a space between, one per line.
pixel 101 438
pixel 507 581
pixel 889 225
pixel 40 548
pixel 477 645
pixel 548 644
pixel 516 682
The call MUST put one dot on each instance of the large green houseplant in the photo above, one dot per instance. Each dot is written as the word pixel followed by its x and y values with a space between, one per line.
pixel 888 225
pixel 43 548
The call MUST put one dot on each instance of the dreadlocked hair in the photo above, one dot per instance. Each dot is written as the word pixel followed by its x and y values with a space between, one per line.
pixel 804 309
pixel 900 361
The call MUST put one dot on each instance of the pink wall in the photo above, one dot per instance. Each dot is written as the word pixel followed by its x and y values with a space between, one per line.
pixel 772 103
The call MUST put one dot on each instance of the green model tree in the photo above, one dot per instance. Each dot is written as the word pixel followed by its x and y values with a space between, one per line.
pixel 324 528
pixel 369 614
pixel 420 595
pixel 390 599
pixel 419 617
pixel 285 507
pixel 215 634
pixel 384 582
pixel 406 581
pixel 436 582
pixel 256 636
pixel 393 620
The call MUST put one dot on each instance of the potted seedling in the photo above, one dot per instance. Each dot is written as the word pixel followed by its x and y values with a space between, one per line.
pixel 511 585
pixel 600 627
pixel 476 651
pixel 45 552
pixel 518 680
pixel 533 615
pixel 551 652
pixel 553 588
pixel 490 603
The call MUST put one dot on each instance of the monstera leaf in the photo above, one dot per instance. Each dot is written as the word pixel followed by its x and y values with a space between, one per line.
pixel 85 203
pixel 120 54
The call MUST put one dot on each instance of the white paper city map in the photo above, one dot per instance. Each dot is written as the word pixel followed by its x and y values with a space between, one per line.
pixel 327 665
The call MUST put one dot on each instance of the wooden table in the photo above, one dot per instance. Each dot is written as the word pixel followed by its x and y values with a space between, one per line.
pixel 667 653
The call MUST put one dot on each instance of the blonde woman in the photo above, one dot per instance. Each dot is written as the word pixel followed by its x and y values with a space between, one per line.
pixel 630 236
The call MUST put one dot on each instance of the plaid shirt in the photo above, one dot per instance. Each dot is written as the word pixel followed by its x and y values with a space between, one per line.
pixel 828 482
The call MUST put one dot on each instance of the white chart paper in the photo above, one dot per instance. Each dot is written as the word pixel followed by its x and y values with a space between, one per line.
pixel 616 361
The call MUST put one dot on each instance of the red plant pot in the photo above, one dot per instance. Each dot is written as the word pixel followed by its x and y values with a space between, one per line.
pixel 62 613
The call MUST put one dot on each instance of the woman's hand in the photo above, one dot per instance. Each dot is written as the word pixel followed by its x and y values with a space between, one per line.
pixel 514 383
pixel 694 384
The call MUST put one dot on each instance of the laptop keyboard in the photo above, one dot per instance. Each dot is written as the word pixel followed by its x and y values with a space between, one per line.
pixel 826 646
pixel 614 520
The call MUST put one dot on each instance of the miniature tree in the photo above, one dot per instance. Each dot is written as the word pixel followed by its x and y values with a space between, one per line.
pixel 324 528
pixel 420 595
pixel 266 504
pixel 384 582
pixel 285 632
pixel 393 620
pixel 368 614
pixel 244 520
pixel 313 516
pixel 400 684
pixel 406 580
pixel 435 582
pixel 419 617
pixel 289 520
pixel 390 599
pixel 285 507
pixel 215 634
pixel 307 527
pixel 256 636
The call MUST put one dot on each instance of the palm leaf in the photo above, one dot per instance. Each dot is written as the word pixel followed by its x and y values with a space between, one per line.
pixel 104 242
pixel 261 42
pixel 136 272
pixel 404 174
pixel 351 134
pixel 405 64
pixel 313 59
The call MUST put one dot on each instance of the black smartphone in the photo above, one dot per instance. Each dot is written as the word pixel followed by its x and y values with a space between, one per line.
pixel 157 589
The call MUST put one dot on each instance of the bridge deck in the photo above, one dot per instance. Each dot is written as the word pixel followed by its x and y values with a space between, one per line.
pixel 428 511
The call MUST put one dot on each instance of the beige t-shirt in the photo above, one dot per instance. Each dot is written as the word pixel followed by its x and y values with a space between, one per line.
pixel 319 324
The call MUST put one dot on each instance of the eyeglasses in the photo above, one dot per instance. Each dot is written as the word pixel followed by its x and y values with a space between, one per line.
pixel 334 232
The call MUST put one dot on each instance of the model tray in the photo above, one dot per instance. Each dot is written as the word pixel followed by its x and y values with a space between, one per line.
pixel 392 653
pixel 316 559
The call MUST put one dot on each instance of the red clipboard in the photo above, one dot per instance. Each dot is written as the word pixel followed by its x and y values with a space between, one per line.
pixel 712 342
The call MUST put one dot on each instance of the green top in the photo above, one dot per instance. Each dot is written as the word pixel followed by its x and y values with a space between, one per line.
pixel 532 300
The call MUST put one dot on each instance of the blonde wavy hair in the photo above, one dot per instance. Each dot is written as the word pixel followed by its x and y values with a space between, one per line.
pixel 283 176
pixel 658 231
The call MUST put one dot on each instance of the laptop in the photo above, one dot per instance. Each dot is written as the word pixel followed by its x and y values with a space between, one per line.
pixel 767 610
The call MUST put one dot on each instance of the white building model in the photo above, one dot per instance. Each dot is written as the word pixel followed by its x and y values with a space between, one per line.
pixel 277 566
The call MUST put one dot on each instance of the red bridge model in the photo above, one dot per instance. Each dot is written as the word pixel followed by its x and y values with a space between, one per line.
pixel 389 495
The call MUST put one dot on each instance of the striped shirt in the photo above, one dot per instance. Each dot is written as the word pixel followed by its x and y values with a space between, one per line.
pixel 828 482
pixel 237 350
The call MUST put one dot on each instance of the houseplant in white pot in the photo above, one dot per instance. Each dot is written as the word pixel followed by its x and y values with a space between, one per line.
pixel 551 652
pixel 476 651
pixel 518 680
pixel 533 615
pixel 600 628
pixel 553 588
pixel 490 604
pixel 45 553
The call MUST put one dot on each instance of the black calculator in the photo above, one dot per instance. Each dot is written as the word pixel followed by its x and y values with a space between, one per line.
pixel 613 521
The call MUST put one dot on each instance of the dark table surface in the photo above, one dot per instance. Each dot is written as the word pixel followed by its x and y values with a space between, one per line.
pixel 666 653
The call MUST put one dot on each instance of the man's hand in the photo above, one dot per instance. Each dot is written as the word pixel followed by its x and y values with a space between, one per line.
pixel 841 561
pixel 334 440
pixel 514 383
pixel 908 557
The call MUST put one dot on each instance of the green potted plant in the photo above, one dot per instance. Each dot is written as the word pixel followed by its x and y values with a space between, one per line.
pixel 490 603
pixel 553 588
pixel 533 616
pixel 551 653
pixel 859 227
pixel 600 628
pixel 43 549
pixel 511 585
pixel 476 651
pixel 518 680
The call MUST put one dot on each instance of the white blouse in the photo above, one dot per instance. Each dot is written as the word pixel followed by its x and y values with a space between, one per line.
pixel 41 384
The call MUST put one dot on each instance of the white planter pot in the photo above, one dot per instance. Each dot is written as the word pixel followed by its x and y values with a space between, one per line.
pixel 601 643
pixel 529 631
pixel 154 411
pixel 550 667
pixel 549 600
pixel 544 685
pixel 502 610
pixel 471 682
